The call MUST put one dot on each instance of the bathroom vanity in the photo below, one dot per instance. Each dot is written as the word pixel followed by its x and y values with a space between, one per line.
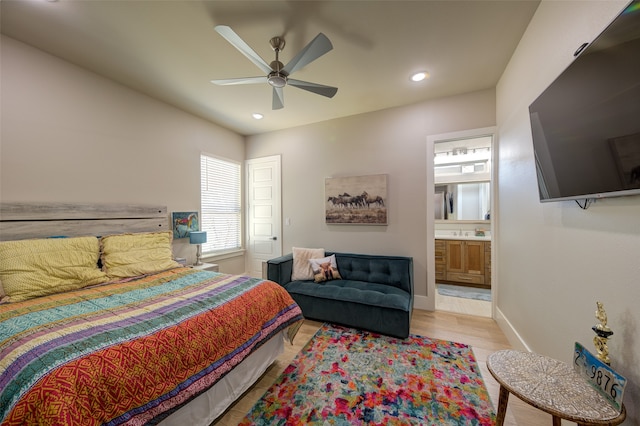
pixel 463 260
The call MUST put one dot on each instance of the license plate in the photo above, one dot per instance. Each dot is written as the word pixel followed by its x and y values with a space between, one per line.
pixel 602 377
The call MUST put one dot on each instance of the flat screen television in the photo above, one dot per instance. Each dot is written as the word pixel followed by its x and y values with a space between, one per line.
pixel 586 124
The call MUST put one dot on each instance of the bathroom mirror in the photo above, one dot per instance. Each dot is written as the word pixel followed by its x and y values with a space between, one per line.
pixel 469 201
pixel 462 172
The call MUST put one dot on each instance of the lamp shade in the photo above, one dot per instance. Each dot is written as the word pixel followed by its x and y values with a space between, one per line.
pixel 197 237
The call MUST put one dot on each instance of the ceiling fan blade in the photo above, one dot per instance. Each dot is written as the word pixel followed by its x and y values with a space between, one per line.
pixel 312 51
pixel 278 98
pixel 319 89
pixel 243 47
pixel 241 80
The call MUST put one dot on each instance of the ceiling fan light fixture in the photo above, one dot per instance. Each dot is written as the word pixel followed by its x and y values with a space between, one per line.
pixel 419 76
pixel 277 79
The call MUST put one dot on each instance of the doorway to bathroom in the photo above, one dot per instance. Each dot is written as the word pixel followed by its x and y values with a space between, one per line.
pixel 460 172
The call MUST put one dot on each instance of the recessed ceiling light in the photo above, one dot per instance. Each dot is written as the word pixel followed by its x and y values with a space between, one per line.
pixel 419 76
pixel 257 116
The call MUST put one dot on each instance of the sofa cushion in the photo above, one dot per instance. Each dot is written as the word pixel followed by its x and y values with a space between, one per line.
pixel 366 293
pixel 388 270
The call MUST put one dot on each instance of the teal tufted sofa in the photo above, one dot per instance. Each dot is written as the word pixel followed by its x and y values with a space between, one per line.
pixel 375 292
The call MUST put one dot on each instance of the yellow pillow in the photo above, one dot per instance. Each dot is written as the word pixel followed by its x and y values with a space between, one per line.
pixel 33 268
pixel 132 255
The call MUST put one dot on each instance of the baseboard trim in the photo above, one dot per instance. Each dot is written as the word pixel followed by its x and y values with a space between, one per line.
pixel 514 338
pixel 422 302
pixel 516 341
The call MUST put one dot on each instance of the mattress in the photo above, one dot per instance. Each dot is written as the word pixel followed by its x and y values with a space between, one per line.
pixel 208 406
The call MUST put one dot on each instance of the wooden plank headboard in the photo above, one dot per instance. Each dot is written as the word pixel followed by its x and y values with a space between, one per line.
pixel 20 221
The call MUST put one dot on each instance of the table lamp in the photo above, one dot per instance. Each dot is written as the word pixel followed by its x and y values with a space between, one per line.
pixel 199 238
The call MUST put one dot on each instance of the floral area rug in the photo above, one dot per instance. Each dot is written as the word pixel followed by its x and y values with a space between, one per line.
pixel 345 376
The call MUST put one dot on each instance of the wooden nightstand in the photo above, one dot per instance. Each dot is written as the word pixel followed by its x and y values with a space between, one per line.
pixel 213 267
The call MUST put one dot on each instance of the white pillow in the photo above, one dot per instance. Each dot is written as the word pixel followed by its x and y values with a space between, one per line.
pixel 301 267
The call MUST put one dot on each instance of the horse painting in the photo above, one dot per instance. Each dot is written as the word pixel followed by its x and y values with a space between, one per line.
pixel 183 223
pixel 367 207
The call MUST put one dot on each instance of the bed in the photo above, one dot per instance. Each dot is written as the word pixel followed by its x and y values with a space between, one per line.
pixel 133 339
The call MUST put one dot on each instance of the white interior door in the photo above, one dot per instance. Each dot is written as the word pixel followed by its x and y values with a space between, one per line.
pixel 264 212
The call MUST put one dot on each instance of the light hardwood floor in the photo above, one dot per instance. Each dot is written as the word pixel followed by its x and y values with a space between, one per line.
pixel 482 334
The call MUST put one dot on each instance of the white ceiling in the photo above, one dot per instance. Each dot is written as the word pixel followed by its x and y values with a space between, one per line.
pixel 170 50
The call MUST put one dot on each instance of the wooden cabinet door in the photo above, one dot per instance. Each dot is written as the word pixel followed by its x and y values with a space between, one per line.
pixel 474 256
pixel 455 256
pixel 466 262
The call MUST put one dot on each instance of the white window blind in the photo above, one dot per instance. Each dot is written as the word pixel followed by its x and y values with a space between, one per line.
pixel 220 204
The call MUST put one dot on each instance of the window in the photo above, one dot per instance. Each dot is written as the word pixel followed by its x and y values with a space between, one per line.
pixel 220 204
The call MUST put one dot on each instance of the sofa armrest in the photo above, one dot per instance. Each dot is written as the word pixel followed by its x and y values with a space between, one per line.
pixel 279 269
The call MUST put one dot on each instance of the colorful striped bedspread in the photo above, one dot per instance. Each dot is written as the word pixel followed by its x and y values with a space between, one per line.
pixel 131 353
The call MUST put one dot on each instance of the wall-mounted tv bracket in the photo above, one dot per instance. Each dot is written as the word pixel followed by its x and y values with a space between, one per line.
pixel 586 203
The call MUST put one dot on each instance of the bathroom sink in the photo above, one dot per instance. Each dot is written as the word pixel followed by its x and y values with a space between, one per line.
pixel 462 235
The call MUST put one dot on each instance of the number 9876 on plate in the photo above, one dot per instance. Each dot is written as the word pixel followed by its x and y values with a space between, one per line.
pixel 602 377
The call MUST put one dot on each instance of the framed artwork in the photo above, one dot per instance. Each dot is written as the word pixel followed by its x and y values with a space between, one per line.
pixel 356 200
pixel 183 223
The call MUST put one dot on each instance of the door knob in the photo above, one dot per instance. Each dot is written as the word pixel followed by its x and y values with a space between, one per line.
pixel 274 238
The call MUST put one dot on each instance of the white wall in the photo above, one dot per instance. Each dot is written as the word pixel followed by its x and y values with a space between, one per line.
pixel 391 141
pixel 71 135
pixel 554 260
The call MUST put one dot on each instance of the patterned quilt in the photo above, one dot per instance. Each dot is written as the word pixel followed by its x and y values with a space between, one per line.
pixel 131 353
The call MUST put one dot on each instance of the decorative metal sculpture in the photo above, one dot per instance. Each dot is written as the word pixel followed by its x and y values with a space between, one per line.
pixel 603 333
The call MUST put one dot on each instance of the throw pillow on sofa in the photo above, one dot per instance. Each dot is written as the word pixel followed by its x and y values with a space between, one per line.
pixel 301 268
pixel 325 269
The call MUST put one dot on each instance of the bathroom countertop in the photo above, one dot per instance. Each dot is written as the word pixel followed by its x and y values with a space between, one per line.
pixel 468 236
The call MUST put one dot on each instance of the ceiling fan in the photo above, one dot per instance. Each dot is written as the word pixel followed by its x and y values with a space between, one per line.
pixel 277 73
